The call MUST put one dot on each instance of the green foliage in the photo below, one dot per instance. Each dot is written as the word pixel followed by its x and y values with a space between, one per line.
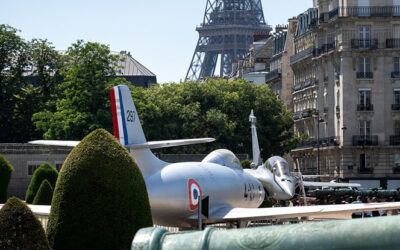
pixel 13 60
pixel 216 108
pixel 100 199
pixel 83 102
pixel 5 175
pixel 245 164
pixel 19 228
pixel 45 172
pixel 44 194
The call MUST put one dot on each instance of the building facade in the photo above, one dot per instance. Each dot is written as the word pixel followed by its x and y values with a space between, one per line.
pixel 347 90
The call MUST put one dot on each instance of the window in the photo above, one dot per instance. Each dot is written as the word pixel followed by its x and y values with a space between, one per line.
pixel 365 161
pixel 365 128
pixel 364 64
pixel 32 168
pixel 364 36
pixel 396 128
pixel 396 67
pixel 364 97
pixel 363 8
pixel 59 166
pixel 396 7
pixel 396 96
pixel 397 160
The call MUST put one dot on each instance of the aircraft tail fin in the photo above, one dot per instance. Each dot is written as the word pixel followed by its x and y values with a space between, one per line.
pixel 254 140
pixel 128 130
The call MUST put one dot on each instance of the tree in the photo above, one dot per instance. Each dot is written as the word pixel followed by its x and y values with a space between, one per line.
pixel 216 108
pixel 100 199
pixel 14 57
pixel 44 195
pixel 19 227
pixel 48 63
pixel 44 172
pixel 5 175
pixel 84 101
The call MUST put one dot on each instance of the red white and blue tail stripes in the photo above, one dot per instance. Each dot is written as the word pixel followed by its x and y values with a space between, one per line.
pixel 118 113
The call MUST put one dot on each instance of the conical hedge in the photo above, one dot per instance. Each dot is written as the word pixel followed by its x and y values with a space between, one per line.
pixel 19 227
pixel 100 199
pixel 44 194
pixel 5 175
pixel 45 172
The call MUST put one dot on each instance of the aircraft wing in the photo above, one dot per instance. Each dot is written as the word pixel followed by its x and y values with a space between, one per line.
pixel 329 184
pixel 150 144
pixel 170 143
pixel 38 210
pixel 55 143
pixel 253 214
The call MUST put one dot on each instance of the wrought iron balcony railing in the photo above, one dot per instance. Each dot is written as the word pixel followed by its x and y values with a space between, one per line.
pixel 395 74
pixel 365 107
pixel 394 140
pixel 364 43
pixel 393 43
pixel 296 115
pixel 301 55
pixel 272 75
pixel 365 75
pixel 298 86
pixel 395 106
pixel 365 170
pixel 370 11
pixel 365 140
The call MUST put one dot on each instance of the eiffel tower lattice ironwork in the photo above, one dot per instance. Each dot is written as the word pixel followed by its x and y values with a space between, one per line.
pixel 227 31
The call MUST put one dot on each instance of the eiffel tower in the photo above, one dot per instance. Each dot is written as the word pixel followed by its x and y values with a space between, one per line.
pixel 226 32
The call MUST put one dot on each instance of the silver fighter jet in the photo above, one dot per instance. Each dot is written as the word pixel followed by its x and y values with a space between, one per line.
pixel 175 189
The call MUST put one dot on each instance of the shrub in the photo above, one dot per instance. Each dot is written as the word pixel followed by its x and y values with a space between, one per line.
pixel 19 227
pixel 245 163
pixel 44 194
pixel 45 172
pixel 5 175
pixel 100 199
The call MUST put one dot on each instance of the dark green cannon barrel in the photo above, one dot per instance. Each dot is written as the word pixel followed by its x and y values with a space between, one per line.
pixel 374 233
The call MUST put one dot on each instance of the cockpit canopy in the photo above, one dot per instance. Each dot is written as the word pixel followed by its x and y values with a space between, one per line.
pixel 280 164
pixel 223 157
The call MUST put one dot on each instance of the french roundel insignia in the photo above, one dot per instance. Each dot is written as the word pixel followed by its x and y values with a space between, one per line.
pixel 194 194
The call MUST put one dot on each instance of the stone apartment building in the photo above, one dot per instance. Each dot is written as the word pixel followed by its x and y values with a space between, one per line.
pixel 347 90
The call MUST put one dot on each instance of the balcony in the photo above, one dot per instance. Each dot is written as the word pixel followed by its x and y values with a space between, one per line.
pixel 365 107
pixel 365 75
pixel 323 49
pixel 370 11
pixel 364 43
pixel 365 140
pixel 395 107
pixel 393 43
pixel 307 83
pixel 275 74
pixel 396 170
pixel 394 140
pixel 395 74
pixel 333 13
pixel 301 56
pixel 323 142
pixel 296 116
pixel 298 86
pixel 365 170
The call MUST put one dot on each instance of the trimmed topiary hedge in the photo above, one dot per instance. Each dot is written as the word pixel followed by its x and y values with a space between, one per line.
pixel 45 172
pixel 19 227
pixel 245 164
pixel 100 199
pixel 5 175
pixel 44 194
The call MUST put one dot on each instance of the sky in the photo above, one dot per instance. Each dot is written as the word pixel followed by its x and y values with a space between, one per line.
pixel 159 34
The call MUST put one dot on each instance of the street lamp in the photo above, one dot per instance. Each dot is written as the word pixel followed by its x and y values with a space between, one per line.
pixel 318 143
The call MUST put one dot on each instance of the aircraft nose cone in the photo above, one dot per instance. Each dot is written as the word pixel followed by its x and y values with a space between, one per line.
pixel 288 187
